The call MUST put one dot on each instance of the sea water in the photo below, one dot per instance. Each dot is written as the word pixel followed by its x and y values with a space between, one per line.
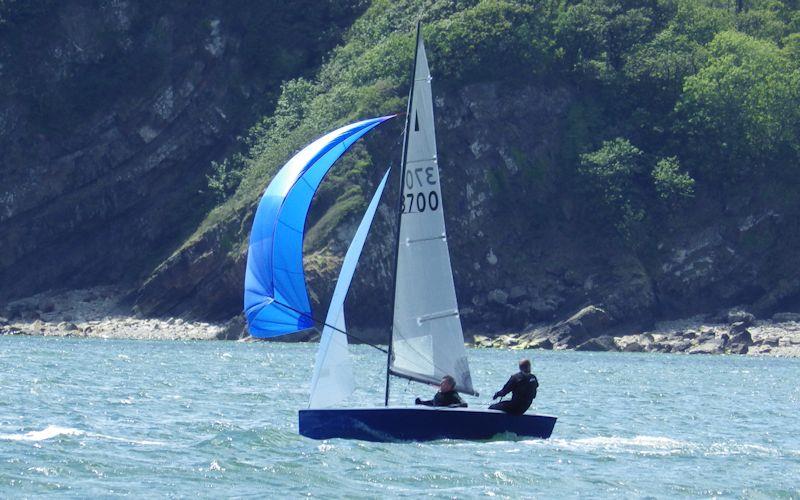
pixel 91 417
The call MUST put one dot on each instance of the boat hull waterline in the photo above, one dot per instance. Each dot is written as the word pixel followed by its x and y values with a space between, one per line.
pixel 387 424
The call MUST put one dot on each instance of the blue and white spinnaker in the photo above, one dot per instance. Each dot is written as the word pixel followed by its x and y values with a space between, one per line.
pixel 275 296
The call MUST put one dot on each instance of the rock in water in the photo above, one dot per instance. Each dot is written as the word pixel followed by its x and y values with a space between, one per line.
pixel 67 327
pixel 587 323
pixel 234 329
pixel 740 339
pixel 602 343
pixel 713 346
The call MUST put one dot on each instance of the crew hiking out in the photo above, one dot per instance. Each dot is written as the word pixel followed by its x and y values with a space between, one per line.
pixel 522 387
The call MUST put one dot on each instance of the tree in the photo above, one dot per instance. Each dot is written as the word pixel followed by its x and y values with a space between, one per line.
pixel 672 185
pixel 741 111
pixel 614 173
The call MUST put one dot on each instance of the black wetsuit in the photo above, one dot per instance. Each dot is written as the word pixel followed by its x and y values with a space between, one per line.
pixel 522 387
pixel 450 398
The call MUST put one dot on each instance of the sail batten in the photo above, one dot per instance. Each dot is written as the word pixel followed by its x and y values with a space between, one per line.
pixel 427 339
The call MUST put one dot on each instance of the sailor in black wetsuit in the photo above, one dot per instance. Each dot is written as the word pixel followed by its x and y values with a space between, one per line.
pixel 447 396
pixel 522 387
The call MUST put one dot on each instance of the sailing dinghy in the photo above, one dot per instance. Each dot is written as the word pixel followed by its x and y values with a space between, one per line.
pixel 427 341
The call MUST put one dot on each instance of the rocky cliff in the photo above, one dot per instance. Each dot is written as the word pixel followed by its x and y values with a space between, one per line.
pixel 110 116
pixel 105 181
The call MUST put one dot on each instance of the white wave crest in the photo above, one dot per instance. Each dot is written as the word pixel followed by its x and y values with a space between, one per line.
pixel 53 431
pixel 659 446
pixel 646 445
pixel 48 432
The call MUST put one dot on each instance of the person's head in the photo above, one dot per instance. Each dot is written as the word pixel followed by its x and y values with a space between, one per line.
pixel 447 384
pixel 525 365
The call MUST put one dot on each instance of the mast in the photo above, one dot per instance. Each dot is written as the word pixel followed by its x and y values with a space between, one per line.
pixel 402 170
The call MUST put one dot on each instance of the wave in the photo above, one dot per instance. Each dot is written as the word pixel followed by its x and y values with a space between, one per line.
pixel 53 431
pixel 660 446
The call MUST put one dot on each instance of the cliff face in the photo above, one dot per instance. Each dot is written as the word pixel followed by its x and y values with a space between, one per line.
pixel 525 247
pixel 110 115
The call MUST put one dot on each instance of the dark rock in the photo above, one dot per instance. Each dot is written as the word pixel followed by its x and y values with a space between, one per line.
pixel 682 346
pixel 602 343
pixel 10 330
pixel 498 296
pixel 235 329
pixel 660 347
pixel 704 337
pixel 540 343
pixel 633 346
pixel 739 316
pixel 68 327
pixel 740 339
pixel 738 349
pixel 714 346
pixel 587 323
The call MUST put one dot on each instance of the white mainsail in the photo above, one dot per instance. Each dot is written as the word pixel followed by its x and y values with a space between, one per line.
pixel 333 379
pixel 427 340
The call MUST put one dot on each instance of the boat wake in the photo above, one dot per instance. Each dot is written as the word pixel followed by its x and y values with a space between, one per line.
pixel 661 446
pixel 54 431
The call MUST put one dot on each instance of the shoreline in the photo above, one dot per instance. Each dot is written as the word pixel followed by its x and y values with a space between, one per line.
pixel 98 313
pixel 736 332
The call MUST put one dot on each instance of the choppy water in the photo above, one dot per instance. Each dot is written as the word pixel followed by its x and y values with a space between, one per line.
pixel 99 418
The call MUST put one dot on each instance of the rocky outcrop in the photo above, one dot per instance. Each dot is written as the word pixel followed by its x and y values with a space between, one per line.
pixel 688 336
pixel 111 113
pixel 587 324
pixel 110 116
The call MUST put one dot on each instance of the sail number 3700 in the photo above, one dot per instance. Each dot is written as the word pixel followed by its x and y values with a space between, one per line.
pixel 420 201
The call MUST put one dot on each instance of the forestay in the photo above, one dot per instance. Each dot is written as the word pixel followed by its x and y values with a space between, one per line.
pixel 333 378
pixel 275 296
pixel 427 340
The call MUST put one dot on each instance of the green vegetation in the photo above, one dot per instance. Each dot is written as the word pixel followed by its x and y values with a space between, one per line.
pixel 674 100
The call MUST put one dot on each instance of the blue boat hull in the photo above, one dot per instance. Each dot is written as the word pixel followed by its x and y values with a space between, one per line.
pixel 419 423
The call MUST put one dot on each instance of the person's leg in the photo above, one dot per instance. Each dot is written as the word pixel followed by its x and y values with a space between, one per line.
pixel 505 406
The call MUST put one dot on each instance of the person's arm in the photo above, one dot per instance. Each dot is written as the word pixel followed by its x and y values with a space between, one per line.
pixel 506 388
pixel 423 403
pixel 458 402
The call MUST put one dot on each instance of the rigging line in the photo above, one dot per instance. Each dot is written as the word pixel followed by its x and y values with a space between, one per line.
pixel 312 318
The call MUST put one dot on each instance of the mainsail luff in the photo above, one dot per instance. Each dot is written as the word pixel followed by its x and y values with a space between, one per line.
pixel 427 341
pixel 400 212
